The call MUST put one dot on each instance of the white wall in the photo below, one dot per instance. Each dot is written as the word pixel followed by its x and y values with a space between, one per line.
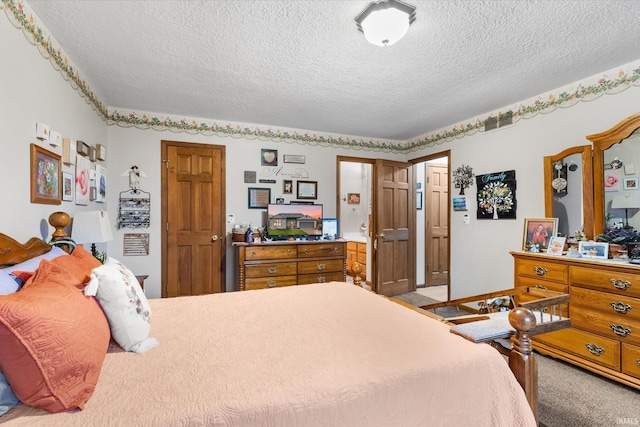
pixel 131 146
pixel 32 91
pixel 480 259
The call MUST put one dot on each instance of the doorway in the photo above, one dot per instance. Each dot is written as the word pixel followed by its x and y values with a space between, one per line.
pixel 376 210
pixel 432 225
pixel 193 219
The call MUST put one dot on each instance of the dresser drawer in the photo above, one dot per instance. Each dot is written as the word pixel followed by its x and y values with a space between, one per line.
pixel 600 350
pixel 542 270
pixel 352 246
pixel 320 266
pixel 622 283
pixel 593 311
pixel 362 258
pixel 540 284
pixel 320 277
pixel 631 360
pixel 271 269
pixel 320 250
pixel 270 282
pixel 253 253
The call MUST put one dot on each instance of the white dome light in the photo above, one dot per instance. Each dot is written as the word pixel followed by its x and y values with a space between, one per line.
pixel 386 21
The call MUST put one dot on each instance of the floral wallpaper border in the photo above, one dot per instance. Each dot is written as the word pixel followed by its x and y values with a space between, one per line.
pixel 22 17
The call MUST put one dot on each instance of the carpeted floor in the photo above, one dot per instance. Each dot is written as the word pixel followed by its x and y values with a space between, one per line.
pixel 414 298
pixel 419 300
pixel 574 397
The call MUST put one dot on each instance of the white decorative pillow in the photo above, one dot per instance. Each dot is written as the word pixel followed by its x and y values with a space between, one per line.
pixel 124 303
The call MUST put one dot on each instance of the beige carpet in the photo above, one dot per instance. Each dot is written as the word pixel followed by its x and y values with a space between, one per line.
pixel 574 397
pixel 414 298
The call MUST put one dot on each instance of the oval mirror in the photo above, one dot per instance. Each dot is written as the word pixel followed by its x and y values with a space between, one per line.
pixel 616 155
pixel 568 190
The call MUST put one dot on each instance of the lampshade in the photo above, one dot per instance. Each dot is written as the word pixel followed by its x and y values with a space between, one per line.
pixel 91 227
pixel 386 21
pixel 625 201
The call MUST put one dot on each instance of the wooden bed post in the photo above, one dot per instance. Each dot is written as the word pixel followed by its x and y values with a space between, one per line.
pixel 522 361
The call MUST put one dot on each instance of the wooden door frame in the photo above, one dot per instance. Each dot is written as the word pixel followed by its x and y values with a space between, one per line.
pixel 372 224
pixel 441 154
pixel 164 145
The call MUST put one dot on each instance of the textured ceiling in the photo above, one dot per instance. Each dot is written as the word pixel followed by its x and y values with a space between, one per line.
pixel 303 64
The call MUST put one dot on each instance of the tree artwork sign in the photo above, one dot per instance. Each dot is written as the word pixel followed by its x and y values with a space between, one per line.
pixel 497 195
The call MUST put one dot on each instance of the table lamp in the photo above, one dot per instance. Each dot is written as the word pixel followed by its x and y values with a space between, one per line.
pixel 91 227
pixel 626 202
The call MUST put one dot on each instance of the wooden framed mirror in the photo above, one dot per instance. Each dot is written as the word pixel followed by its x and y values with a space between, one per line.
pixel 604 153
pixel 568 190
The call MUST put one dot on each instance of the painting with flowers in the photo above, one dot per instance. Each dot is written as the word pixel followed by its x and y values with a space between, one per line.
pixel 497 195
pixel 46 176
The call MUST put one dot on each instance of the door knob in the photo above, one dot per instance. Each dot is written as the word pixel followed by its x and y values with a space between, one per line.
pixel 214 238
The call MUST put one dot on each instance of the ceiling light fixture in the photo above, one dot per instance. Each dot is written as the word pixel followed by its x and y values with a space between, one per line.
pixel 384 22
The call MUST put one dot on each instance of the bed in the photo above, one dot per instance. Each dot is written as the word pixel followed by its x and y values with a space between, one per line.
pixel 319 354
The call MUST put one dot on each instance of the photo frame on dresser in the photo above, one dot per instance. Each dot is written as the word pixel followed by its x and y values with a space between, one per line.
pixel 537 233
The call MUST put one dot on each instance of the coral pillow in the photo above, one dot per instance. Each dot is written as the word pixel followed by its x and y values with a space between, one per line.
pixel 54 340
pixel 78 265
pixel 124 304
pixel 32 263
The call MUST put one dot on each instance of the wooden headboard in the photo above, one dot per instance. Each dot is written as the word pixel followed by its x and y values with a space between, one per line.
pixel 13 252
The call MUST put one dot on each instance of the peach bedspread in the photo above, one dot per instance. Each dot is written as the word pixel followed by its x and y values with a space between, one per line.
pixel 322 354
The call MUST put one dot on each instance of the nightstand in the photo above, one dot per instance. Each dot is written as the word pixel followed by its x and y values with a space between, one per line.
pixel 141 280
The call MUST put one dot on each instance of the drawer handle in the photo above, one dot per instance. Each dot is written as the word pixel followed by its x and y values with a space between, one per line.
pixel 620 307
pixel 544 288
pixel 288 251
pixel 253 253
pixel 304 251
pixel 620 284
pixel 623 331
pixel 540 271
pixel 335 249
pixel 272 270
pixel 322 279
pixel 320 267
pixel 271 283
pixel 595 350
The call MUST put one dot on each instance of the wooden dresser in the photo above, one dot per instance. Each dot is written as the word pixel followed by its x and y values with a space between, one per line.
pixel 276 264
pixel 604 309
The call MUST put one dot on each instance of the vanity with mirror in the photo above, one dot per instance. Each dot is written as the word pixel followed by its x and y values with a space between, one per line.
pixel 604 336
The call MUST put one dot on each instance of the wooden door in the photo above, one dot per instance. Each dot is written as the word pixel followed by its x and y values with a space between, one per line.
pixel 395 228
pixel 193 214
pixel 437 227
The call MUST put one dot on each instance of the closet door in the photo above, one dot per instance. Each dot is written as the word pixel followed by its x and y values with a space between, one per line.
pixel 193 205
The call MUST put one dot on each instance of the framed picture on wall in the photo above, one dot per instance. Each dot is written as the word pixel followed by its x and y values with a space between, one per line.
pixel 259 198
pixel 269 157
pixel 307 189
pixel 67 187
pixel 287 186
pixel 46 176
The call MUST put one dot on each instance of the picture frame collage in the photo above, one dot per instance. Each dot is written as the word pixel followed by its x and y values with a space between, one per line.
pixel 305 191
pixel 74 175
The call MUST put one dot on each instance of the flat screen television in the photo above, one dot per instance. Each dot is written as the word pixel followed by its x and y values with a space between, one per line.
pixel 294 221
